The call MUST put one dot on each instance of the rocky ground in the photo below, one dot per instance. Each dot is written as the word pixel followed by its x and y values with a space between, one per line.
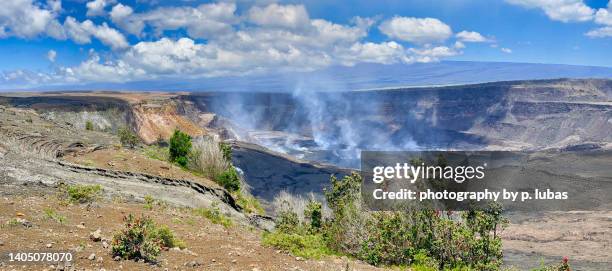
pixel 209 246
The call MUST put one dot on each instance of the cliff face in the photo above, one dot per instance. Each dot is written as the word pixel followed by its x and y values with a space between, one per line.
pixel 500 115
pixel 334 127
pixel 152 116
pixel 158 120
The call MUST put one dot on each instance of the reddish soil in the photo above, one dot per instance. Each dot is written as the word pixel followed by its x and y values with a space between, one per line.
pixel 209 246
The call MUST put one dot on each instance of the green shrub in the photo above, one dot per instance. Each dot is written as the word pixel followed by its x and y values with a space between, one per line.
pixel 53 215
pixel 403 237
pixel 310 246
pixel 156 152
pixel 314 214
pixel 150 202
pixel 89 125
pixel 180 147
pixel 226 149
pixel 249 203
pixel 214 215
pixel 167 238
pixel 288 222
pixel 128 138
pixel 83 193
pixel 563 266
pixel 229 179
pixel 138 240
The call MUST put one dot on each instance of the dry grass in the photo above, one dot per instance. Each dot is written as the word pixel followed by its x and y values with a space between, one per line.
pixel 207 158
pixel 287 202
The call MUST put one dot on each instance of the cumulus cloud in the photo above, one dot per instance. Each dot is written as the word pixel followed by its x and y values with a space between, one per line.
pixel 51 54
pixel 96 7
pixel 471 36
pixel 603 17
pixel 81 32
pixel 203 21
pixel 506 50
pixel 384 53
pixel 261 39
pixel 289 16
pixel 416 30
pixel 433 54
pixel 25 19
pixel 560 10
pixel 601 32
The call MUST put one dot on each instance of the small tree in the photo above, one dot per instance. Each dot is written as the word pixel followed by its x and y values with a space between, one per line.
pixel 180 147
pixel 314 214
pixel 229 179
pixel 128 138
pixel 226 149
pixel 89 125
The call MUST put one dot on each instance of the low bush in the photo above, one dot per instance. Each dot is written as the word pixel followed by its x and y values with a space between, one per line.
pixel 156 152
pixel 563 266
pixel 248 203
pixel 53 215
pixel 89 126
pixel 167 238
pixel 128 138
pixel 309 246
pixel 142 239
pixel 136 241
pixel 229 179
pixel 214 215
pixel 288 222
pixel 423 239
pixel 150 202
pixel 83 193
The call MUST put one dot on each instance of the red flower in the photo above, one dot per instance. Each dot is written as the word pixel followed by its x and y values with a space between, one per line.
pixel 565 259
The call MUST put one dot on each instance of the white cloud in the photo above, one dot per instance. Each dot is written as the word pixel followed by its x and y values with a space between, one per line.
pixel 604 16
pixel 121 16
pixel 288 16
pixel 81 32
pixel 471 36
pixel 25 19
pixel 560 10
pixel 506 50
pixel 96 7
pixel 601 32
pixel 416 30
pixel 51 55
pixel 203 21
pixel 385 53
pixel 261 39
pixel 433 54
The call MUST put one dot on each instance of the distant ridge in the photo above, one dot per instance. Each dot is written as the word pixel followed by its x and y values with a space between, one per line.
pixel 364 76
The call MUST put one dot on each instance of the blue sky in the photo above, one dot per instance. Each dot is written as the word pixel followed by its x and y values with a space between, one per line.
pixel 73 42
